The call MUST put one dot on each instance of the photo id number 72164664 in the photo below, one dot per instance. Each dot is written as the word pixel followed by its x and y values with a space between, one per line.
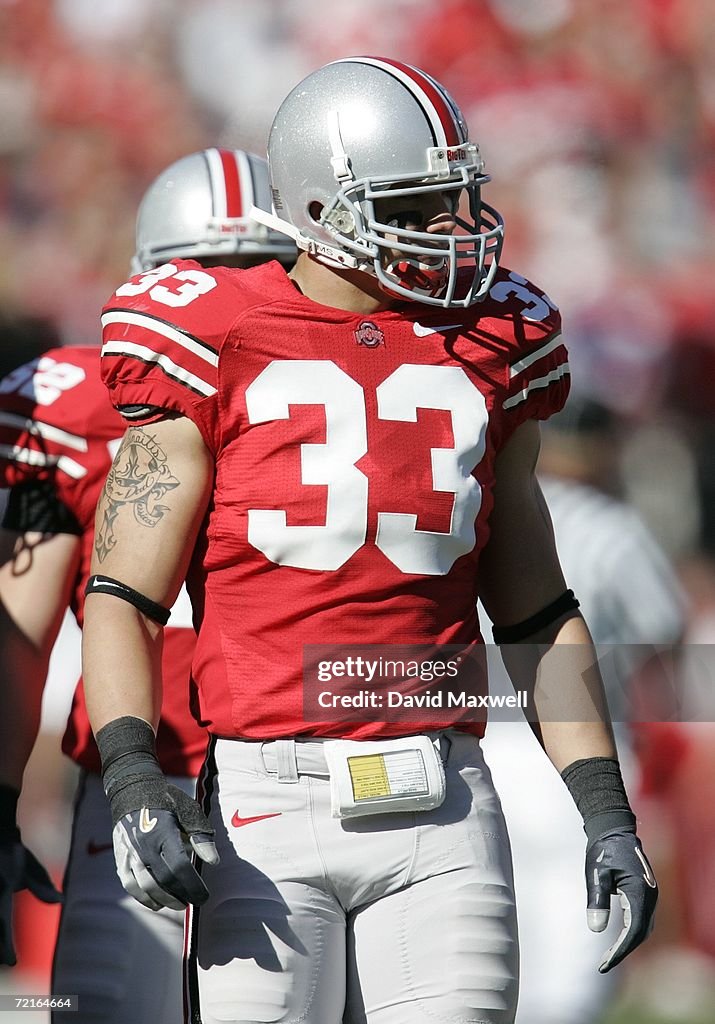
pixel 25 1001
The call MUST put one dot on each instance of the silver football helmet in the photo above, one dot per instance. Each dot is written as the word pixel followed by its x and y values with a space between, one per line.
pixel 199 207
pixel 362 127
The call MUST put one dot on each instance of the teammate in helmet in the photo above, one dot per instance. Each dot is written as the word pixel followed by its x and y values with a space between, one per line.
pixel 58 432
pixel 349 466
pixel 199 209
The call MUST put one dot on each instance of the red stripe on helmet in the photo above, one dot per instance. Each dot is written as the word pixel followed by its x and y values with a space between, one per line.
pixel 232 181
pixel 445 111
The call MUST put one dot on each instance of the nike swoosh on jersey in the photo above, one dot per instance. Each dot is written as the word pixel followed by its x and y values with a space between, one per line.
pixel 423 332
pixel 237 821
pixel 94 848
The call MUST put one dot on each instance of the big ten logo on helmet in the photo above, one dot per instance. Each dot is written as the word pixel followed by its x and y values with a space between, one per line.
pixel 229 227
pixel 369 334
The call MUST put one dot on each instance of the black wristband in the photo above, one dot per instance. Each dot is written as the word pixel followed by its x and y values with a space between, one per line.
pixel 8 806
pixel 128 751
pixel 596 785
pixel 131 772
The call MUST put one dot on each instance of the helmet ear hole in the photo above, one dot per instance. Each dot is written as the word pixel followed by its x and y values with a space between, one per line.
pixel 315 210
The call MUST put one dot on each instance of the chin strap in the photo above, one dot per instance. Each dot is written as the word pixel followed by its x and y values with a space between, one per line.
pixel 271 221
pixel 327 254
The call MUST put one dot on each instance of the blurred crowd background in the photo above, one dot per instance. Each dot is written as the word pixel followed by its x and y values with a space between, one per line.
pixel 597 122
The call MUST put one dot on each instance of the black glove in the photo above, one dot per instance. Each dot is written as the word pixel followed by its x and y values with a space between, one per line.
pixel 19 869
pixel 152 849
pixel 156 825
pixel 615 862
pixel 617 865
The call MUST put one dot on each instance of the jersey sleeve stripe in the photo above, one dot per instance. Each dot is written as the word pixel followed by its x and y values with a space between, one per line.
pixel 154 325
pixel 522 364
pixel 33 457
pixel 45 430
pixel 145 355
pixel 534 385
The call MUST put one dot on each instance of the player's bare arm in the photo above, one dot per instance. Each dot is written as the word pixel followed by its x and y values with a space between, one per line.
pixel 147 519
pixel 559 666
pixel 36 573
pixel 152 506
pixel 520 575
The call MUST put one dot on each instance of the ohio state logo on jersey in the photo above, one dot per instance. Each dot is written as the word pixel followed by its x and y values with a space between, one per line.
pixel 369 334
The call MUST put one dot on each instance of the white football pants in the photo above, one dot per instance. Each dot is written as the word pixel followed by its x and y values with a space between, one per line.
pixel 399 918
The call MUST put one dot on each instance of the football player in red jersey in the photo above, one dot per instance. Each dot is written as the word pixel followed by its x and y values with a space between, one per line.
pixel 348 457
pixel 58 435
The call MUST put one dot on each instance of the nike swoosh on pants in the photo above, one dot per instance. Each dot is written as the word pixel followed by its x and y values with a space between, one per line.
pixel 237 821
pixel 94 848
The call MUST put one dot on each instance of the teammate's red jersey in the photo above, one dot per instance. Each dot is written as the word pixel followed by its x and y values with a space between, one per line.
pixel 57 424
pixel 354 465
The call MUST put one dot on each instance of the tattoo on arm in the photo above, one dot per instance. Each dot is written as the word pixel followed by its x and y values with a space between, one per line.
pixel 139 478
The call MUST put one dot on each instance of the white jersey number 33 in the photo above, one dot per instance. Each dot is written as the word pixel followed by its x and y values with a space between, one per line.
pixel 411 387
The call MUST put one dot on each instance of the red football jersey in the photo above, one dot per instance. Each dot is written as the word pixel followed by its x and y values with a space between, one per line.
pixel 56 423
pixel 354 466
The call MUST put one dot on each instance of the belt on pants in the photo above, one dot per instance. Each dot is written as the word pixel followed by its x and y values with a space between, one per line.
pixel 288 759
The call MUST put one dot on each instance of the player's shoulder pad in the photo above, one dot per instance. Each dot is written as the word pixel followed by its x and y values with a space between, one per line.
pixel 520 325
pixel 180 296
pixel 54 413
pixel 162 336
pixel 170 324
pixel 516 315
pixel 61 388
